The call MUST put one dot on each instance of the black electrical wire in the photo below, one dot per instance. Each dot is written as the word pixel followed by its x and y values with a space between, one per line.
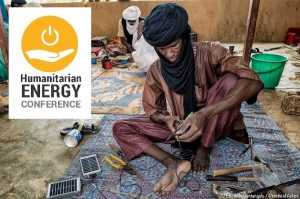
pixel 185 154
pixel 179 153
pixel 182 154
pixel 133 184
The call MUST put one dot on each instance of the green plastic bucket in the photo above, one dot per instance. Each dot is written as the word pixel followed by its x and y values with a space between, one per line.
pixel 269 67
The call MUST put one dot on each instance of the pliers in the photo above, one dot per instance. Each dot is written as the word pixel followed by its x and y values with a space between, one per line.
pixel 119 164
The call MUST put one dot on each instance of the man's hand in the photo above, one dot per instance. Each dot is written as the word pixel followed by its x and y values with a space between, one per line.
pixel 193 127
pixel 128 45
pixel 172 122
pixel 130 48
pixel 140 30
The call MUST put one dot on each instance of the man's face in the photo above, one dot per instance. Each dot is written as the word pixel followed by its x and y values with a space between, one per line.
pixel 172 51
pixel 131 22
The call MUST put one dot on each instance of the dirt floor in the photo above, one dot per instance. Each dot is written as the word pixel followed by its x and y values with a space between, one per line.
pixel 33 153
pixel 289 124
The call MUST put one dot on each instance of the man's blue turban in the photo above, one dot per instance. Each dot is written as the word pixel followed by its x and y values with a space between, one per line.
pixel 165 24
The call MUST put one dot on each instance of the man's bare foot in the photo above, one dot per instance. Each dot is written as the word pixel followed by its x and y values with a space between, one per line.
pixel 175 172
pixel 201 160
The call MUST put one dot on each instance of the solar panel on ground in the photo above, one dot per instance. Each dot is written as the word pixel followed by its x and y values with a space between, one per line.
pixel 89 165
pixel 63 188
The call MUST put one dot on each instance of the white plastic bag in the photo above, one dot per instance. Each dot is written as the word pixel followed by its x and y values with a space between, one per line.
pixel 144 55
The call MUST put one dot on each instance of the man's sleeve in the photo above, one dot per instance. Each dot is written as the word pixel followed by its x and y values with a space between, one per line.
pixel 225 62
pixel 153 96
pixel 120 29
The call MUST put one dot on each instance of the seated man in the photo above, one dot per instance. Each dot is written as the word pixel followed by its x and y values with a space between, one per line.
pixel 128 27
pixel 208 82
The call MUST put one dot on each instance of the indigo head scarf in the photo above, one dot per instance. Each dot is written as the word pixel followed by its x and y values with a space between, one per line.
pixel 166 23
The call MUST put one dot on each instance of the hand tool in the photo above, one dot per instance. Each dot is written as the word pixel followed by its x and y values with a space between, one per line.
pixel 258 159
pixel 287 188
pixel 119 164
pixel 235 187
pixel 275 48
pixel 224 192
pixel 248 147
pixel 219 172
pixel 121 154
pixel 118 151
pixel 253 156
pixel 266 177
pixel 231 178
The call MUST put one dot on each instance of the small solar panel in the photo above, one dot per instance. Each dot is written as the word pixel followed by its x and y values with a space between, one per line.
pixel 89 165
pixel 64 188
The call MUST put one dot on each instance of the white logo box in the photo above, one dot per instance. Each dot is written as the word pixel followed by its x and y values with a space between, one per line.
pixel 80 20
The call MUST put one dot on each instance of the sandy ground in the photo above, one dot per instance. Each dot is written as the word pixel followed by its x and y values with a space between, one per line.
pixel 33 153
pixel 271 100
pixel 289 124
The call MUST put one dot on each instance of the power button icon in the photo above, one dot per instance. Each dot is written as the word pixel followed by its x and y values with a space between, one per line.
pixel 49 43
pixel 50 34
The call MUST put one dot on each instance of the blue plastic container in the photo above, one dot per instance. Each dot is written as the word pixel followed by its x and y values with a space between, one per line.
pixel 73 138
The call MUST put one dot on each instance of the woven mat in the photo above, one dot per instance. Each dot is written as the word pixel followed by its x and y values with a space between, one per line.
pixel 117 91
pixel 270 145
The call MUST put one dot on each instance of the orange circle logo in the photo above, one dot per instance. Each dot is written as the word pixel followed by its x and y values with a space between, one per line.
pixel 49 43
